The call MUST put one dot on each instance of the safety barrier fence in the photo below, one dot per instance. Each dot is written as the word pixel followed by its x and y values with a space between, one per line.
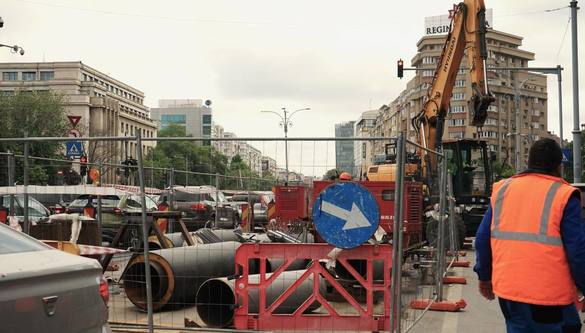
pixel 180 255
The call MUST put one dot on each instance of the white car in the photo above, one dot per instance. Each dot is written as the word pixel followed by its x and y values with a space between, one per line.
pixel 47 290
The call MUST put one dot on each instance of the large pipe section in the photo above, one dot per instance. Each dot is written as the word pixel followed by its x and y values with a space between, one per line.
pixel 216 298
pixel 177 273
pixel 361 267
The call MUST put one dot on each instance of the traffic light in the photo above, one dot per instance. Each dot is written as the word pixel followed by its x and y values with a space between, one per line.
pixel 83 165
pixel 400 68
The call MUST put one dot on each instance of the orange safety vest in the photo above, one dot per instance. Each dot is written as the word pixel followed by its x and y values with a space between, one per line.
pixel 529 263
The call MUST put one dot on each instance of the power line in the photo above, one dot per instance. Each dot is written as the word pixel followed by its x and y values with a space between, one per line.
pixel 563 39
pixel 534 12
pixel 158 17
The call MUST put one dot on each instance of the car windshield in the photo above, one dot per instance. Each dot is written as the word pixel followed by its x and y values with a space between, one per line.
pixel 35 208
pixel 107 201
pixel 12 241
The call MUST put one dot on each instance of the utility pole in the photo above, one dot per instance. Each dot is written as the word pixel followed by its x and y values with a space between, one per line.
pixel 286 122
pixel 577 168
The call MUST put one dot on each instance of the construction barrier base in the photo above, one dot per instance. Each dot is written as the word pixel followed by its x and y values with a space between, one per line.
pixel 460 263
pixel 438 306
pixel 454 280
pixel 461 253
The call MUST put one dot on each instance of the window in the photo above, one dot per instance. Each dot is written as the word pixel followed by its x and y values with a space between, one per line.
pixel 456 122
pixel 457 109
pixel 29 76
pixel 458 96
pixel 488 134
pixel 206 119
pixel 491 121
pixel 428 73
pixel 429 60
pixel 10 76
pixel 461 71
pixel 178 119
pixel 456 135
pixel 535 125
pixel 459 83
pixel 206 130
pixel 536 113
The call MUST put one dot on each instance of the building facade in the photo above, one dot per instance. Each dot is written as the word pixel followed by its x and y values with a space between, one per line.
pixel 107 106
pixel 520 107
pixel 362 150
pixel 190 114
pixel 344 159
pixel 268 166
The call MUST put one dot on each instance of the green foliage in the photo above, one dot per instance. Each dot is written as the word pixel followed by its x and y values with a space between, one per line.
pixel 331 174
pixel 32 113
pixel 502 170
pixel 203 163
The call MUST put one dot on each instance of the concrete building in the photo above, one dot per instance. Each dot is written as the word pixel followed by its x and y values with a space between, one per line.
pixel 107 106
pixel 517 93
pixel 252 156
pixel 362 150
pixel 344 159
pixel 191 114
pixel 268 166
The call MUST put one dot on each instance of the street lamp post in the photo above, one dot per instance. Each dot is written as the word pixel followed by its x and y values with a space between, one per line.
pixel 286 122
pixel 518 124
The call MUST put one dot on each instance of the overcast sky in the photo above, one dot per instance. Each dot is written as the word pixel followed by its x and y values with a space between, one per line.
pixel 337 57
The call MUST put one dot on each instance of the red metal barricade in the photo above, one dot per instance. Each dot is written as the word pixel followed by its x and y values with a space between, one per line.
pixel 331 318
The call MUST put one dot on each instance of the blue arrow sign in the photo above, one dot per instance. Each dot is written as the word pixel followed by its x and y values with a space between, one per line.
pixel 346 215
pixel 567 156
pixel 73 149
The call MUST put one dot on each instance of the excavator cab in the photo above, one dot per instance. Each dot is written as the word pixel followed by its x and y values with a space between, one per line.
pixel 469 167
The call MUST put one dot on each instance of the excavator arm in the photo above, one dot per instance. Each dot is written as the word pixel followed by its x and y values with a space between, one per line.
pixel 467 33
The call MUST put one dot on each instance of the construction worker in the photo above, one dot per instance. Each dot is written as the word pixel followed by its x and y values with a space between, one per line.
pixel 531 246
pixel 345 176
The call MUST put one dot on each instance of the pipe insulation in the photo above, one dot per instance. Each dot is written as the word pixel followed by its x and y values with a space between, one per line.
pixel 216 298
pixel 177 273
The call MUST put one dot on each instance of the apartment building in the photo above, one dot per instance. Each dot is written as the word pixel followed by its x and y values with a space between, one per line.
pixel 362 150
pixel 520 107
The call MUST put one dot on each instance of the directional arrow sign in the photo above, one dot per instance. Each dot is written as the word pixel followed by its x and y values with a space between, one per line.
pixel 346 214
pixel 354 218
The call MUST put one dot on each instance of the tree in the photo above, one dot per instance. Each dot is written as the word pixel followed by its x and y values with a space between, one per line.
pixel 502 170
pixel 201 161
pixel 33 113
pixel 331 174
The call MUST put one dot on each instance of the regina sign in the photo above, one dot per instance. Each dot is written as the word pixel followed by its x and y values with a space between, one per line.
pixel 439 25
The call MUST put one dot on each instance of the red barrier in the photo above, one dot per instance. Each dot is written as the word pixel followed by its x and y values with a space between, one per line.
pixel 363 318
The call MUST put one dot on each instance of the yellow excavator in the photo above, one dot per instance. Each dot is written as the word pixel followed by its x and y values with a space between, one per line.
pixel 468 160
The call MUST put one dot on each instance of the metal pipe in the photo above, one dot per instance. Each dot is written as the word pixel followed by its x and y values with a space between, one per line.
pixel 11 168
pixel 400 221
pixel 178 272
pixel 441 231
pixel 560 86
pixel 216 298
pixel 577 168
pixel 396 270
pixel 145 231
pixel 26 222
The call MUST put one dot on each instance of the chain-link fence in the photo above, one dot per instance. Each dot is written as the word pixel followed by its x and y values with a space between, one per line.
pixel 189 234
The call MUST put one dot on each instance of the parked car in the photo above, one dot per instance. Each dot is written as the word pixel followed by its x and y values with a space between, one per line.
pixel 36 210
pixel 116 209
pixel 46 290
pixel 259 200
pixel 198 206
pixel 56 203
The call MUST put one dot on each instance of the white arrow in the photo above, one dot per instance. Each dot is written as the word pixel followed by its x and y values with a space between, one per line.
pixel 354 218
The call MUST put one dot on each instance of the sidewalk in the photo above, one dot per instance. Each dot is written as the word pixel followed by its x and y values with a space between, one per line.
pixel 480 315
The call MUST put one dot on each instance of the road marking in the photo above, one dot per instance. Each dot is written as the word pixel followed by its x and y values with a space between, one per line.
pixel 354 218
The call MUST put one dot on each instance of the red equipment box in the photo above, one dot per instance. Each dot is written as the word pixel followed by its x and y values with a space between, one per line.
pixel 292 203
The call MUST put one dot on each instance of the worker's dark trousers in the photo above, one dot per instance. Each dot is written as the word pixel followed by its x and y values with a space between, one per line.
pixel 528 318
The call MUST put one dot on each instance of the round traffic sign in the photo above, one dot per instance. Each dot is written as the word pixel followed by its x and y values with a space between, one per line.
pixel 346 214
